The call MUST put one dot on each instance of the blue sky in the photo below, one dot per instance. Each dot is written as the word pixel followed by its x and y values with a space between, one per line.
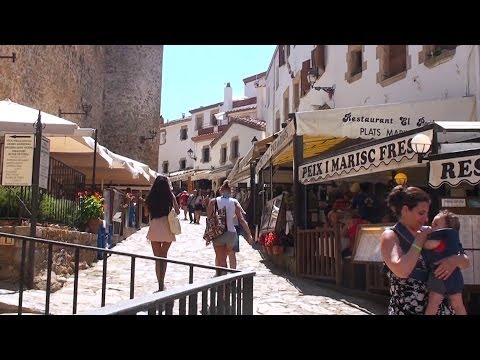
pixel 195 75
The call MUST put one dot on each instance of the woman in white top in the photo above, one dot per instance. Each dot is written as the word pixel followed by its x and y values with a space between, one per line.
pixel 224 244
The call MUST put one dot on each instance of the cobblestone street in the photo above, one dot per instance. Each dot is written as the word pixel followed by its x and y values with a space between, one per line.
pixel 275 293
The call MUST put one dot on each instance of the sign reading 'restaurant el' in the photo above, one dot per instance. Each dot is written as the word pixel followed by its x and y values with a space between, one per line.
pixel 456 168
pixel 380 121
pixel 358 162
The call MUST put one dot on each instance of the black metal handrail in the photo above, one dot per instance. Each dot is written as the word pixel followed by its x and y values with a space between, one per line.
pixel 240 288
pixel 229 304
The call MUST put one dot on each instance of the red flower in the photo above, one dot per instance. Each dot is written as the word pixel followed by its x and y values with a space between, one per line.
pixel 271 239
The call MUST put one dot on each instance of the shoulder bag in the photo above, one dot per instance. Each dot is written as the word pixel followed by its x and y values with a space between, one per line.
pixel 174 223
pixel 216 224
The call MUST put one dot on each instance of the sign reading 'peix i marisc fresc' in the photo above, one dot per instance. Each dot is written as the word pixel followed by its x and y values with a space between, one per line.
pixel 18 160
pixel 387 154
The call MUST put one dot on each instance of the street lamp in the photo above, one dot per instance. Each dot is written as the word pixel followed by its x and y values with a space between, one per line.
pixel 421 144
pixel 400 178
pixel 254 140
pixel 190 154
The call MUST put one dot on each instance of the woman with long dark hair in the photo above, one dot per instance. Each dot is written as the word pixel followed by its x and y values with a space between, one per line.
pixel 402 251
pixel 159 202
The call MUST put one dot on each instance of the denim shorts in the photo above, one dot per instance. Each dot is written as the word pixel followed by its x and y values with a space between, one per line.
pixel 228 239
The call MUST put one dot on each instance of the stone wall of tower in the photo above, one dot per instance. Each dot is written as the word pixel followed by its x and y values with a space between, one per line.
pixel 121 85
pixel 133 80
pixel 53 77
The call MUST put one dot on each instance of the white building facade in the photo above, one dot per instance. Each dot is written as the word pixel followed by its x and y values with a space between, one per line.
pixel 367 75
pixel 235 121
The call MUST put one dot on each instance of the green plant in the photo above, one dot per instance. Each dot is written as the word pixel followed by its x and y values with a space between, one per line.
pixel 91 207
pixel 10 204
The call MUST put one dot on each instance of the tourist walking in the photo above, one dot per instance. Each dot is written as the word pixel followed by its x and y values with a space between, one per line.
pixel 159 203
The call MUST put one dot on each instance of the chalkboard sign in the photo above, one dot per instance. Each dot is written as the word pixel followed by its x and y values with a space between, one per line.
pixel 367 243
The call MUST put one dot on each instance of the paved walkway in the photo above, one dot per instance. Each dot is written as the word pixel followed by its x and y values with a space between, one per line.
pixel 275 293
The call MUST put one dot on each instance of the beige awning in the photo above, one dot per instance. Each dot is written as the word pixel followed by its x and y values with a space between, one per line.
pixel 200 174
pixel 182 175
pixel 16 118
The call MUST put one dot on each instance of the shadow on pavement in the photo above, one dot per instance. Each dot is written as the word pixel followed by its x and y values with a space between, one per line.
pixel 373 303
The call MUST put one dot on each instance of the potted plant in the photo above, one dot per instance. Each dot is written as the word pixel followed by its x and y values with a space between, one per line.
pixel 271 240
pixel 90 211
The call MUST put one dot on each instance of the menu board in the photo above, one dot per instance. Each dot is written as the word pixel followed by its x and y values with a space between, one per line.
pixel 367 243
pixel 270 214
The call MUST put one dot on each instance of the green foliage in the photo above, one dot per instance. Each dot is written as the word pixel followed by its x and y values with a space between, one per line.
pixel 10 205
pixel 91 207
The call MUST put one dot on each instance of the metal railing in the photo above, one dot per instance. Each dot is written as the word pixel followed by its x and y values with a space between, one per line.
pixel 230 294
pixel 226 294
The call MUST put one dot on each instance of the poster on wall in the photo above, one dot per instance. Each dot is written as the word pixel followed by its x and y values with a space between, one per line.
pixel 270 214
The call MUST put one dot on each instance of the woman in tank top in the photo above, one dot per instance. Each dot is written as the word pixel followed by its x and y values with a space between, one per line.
pixel 224 244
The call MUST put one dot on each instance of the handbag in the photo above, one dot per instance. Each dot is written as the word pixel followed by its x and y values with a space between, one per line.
pixel 174 223
pixel 216 224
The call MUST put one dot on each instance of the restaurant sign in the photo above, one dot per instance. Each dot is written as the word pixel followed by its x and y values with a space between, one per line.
pixel 359 162
pixel 455 168
pixel 380 121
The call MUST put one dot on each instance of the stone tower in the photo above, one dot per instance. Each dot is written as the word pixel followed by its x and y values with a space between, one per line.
pixel 131 101
pixel 120 84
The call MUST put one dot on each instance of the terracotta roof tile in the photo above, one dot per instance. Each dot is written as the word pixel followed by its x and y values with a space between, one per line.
pixel 206 136
pixel 242 108
pixel 249 101
pixel 254 77
pixel 246 121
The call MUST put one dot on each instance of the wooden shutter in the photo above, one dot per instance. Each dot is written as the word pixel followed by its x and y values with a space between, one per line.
pixel 281 55
pixel 305 86
pixel 318 57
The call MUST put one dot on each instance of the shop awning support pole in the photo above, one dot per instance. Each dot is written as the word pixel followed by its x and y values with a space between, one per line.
pixel 297 186
pixel 253 195
pixel 35 200
pixel 271 180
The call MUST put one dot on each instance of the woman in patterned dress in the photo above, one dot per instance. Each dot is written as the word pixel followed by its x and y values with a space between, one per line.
pixel 401 248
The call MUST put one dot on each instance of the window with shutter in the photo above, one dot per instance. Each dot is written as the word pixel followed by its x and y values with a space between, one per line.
pixel 281 55
pixel 433 55
pixel 223 154
pixel 318 58
pixel 206 154
pixel 234 149
pixel 305 86
pixel 165 167
pixel 183 133
pixel 355 63
pixel 183 164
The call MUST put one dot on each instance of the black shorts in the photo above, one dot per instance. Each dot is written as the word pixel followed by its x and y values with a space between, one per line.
pixel 198 207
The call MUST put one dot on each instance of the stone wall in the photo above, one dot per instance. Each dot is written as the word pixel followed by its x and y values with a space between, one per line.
pixel 63 257
pixel 132 103
pixel 122 84
pixel 53 77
